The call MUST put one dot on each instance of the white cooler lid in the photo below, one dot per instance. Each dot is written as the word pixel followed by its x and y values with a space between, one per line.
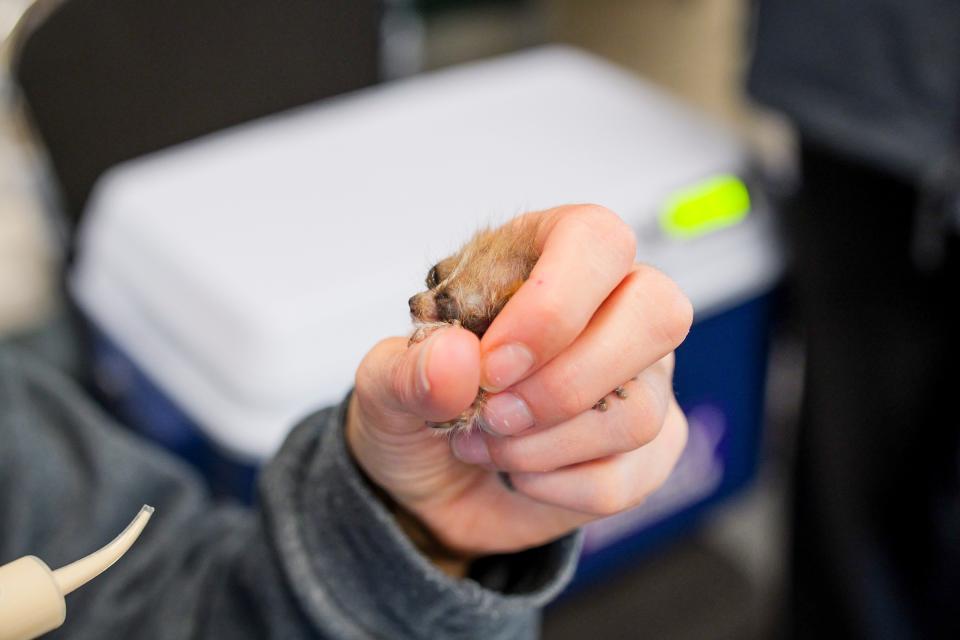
pixel 248 272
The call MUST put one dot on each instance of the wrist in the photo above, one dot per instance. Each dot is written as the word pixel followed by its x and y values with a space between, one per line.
pixel 453 563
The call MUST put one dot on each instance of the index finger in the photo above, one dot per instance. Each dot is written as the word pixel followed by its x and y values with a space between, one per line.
pixel 585 251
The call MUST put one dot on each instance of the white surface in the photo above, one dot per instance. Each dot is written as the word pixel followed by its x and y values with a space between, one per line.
pixel 248 272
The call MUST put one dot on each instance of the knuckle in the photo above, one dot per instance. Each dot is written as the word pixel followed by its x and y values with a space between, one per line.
pixel 682 316
pixel 622 240
pixel 673 322
pixel 642 424
pixel 363 377
pixel 684 430
pixel 570 403
pixel 399 384
pixel 399 390
pixel 607 228
pixel 683 426
pixel 594 212
pixel 507 457
pixel 658 477
pixel 558 323
pixel 563 390
pixel 369 373
pixel 380 379
pixel 611 497
pixel 629 435
pixel 668 363
pixel 661 472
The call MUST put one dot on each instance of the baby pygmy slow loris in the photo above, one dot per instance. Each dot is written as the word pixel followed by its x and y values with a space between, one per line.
pixel 469 289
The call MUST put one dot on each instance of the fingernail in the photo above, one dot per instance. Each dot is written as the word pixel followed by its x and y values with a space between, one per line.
pixel 506 414
pixel 470 448
pixel 423 360
pixel 506 365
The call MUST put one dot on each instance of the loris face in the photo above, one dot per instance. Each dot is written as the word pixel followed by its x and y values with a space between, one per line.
pixel 472 286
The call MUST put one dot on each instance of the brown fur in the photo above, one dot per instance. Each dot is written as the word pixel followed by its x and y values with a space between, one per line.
pixel 469 289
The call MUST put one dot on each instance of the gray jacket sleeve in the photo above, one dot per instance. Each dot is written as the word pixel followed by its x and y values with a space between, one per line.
pixel 319 558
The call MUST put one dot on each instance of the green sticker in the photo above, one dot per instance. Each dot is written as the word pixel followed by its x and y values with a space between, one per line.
pixel 717 203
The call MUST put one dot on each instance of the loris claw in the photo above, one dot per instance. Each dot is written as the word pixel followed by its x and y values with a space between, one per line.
pixel 469 289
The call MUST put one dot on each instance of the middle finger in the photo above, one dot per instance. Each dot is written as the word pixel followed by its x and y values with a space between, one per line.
pixel 629 424
pixel 645 318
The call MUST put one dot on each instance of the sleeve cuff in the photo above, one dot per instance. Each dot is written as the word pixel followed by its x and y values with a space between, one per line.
pixel 356 574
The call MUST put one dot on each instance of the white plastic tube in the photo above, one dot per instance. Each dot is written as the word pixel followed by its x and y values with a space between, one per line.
pixel 32 596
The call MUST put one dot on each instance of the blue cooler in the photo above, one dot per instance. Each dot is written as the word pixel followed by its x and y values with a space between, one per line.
pixel 234 283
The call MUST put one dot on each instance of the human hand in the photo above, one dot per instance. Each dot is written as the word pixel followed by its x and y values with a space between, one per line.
pixel 585 321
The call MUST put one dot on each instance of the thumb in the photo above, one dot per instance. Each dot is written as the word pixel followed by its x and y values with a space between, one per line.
pixel 434 380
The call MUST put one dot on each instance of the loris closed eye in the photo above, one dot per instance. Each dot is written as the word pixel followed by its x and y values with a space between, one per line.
pixel 433 278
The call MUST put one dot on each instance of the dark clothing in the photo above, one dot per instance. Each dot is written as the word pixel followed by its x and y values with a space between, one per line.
pixel 875 80
pixel 873 87
pixel 321 558
pixel 876 535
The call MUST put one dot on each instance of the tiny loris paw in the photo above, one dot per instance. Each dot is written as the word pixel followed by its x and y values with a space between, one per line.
pixel 467 421
pixel 620 392
pixel 423 330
